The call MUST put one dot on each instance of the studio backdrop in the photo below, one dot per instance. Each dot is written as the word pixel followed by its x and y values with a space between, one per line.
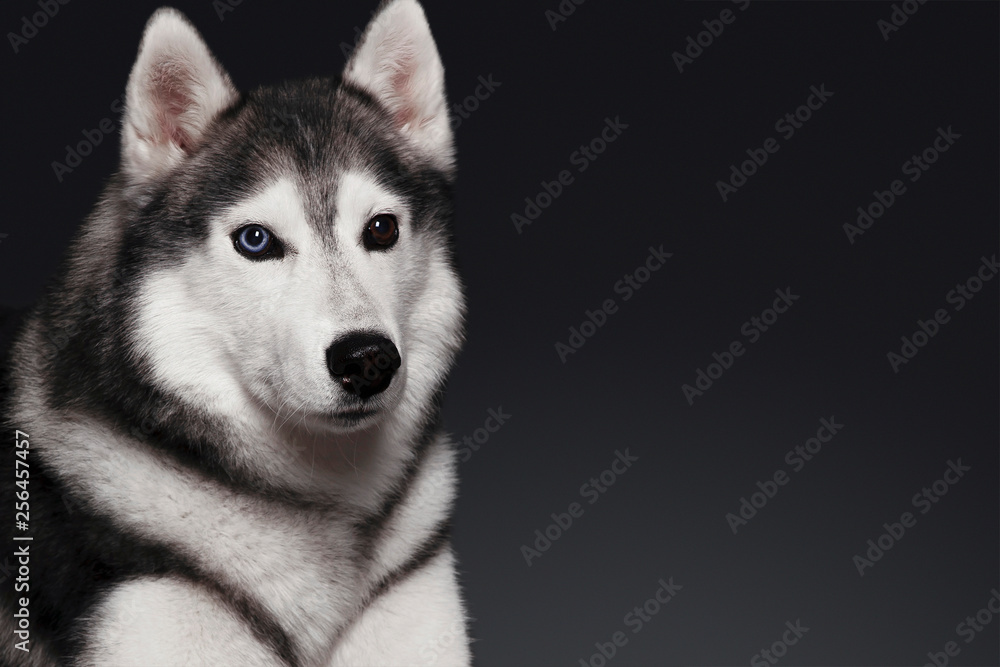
pixel 729 394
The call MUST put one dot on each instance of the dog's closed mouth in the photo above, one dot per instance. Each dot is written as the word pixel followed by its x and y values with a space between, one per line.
pixel 353 415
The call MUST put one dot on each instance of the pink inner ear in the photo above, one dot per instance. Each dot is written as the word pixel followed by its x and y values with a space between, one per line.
pixel 171 96
pixel 406 111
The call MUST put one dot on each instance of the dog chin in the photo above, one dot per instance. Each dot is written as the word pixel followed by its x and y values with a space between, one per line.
pixel 345 419
pixel 354 419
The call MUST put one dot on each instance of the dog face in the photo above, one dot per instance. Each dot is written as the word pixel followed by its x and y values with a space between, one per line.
pixel 296 239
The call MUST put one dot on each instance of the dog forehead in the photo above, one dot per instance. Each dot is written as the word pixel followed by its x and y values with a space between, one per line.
pixel 322 126
pixel 334 144
pixel 324 138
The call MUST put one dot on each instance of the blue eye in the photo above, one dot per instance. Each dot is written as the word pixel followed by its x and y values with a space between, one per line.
pixel 256 242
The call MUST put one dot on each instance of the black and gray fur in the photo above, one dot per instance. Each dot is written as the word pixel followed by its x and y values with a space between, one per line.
pixel 148 499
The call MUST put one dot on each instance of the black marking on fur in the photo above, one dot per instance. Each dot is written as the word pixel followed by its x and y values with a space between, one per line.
pixel 430 548
pixel 263 625
pixel 78 556
pixel 371 526
pixel 423 554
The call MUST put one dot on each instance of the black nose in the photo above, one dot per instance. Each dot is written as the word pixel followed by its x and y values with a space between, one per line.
pixel 363 362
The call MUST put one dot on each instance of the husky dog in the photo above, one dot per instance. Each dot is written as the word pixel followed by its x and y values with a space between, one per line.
pixel 228 404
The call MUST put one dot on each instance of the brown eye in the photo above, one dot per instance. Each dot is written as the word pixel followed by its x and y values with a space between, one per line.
pixel 381 232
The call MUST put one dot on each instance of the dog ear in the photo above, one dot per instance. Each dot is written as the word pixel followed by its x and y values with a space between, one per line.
pixel 175 90
pixel 398 63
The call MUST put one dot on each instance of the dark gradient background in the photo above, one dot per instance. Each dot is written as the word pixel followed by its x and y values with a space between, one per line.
pixel 656 184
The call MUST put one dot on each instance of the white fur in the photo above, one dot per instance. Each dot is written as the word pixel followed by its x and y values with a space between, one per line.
pixel 430 496
pixel 398 62
pixel 418 623
pixel 289 560
pixel 285 558
pixel 174 91
pixel 168 622
pixel 200 324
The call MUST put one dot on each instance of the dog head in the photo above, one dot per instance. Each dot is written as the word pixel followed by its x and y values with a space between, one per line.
pixel 293 242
